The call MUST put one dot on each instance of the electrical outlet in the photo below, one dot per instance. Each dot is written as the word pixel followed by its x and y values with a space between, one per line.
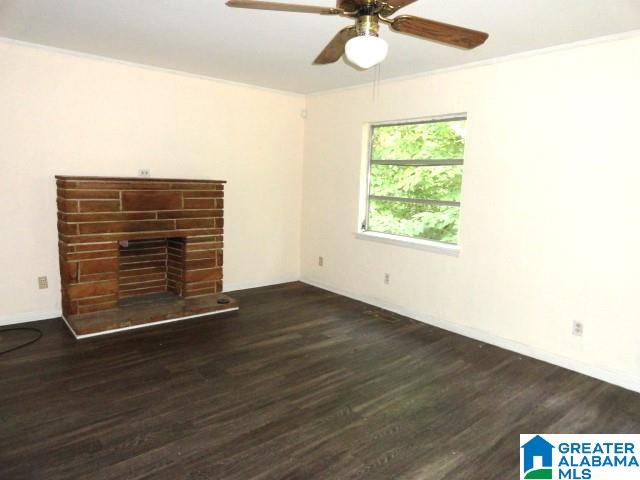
pixel 43 283
pixel 387 279
pixel 144 172
pixel 578 328
pixel 321 261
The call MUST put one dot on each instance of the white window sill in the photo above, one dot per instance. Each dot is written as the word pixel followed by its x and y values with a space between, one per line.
pixel 420 244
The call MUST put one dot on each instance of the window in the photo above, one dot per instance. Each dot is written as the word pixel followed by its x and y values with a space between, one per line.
pixel 415 179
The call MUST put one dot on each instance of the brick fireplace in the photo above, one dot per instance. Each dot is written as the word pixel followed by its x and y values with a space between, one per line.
pixel 137 251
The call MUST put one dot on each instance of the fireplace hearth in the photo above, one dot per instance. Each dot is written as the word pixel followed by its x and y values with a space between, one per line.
pixel 136 252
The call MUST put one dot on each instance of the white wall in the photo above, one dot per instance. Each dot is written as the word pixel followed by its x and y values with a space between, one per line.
pixel 549 223
pixel 551 191
pixel 67 114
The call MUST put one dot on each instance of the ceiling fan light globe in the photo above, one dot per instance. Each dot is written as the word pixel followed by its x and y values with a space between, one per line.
pixel 366 51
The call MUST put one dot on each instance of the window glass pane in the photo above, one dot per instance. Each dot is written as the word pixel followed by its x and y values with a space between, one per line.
pixel 421 141
pixel 432 222
pixel 426 183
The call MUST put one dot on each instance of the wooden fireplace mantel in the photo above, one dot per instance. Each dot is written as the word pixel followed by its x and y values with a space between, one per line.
pixel 129 237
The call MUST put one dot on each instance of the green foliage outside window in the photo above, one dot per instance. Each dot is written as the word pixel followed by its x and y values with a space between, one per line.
pixel 435 141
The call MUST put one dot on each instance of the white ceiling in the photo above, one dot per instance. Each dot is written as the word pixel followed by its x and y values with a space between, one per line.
pixel 274 49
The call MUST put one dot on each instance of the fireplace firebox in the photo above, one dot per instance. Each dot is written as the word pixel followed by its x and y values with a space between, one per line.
pixel 138 251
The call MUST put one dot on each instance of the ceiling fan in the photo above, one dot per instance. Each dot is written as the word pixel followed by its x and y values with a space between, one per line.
pixel 360 42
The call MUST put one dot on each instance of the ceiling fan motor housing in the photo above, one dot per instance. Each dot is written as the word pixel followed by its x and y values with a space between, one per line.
pixel 367 25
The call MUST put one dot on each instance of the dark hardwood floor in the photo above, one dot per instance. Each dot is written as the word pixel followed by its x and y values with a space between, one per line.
pixel 301 384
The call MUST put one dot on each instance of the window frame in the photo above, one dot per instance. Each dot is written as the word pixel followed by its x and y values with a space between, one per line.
pixel 416 242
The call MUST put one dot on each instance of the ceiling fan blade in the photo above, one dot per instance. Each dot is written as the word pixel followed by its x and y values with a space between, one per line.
pixel 394 5
pixel 349 5
pixel 438 31
pixel 283 7
pixel 335 49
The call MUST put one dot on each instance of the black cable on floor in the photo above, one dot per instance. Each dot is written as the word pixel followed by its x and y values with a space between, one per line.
pixel 21 329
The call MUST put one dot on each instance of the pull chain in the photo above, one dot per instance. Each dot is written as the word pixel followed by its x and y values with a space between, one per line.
pixel 376 83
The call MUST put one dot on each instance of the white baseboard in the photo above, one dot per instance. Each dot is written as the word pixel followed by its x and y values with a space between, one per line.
pixel 231 287
pixel 29 317
pixel 616 378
